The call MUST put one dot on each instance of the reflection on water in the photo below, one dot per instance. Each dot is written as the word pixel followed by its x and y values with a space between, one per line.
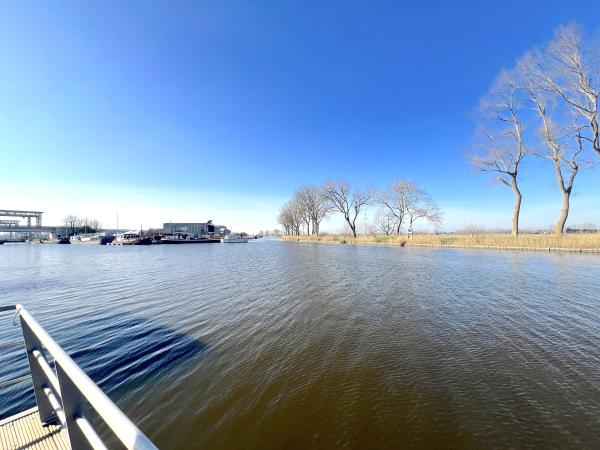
pixel 120 349
pixel 116 350
pixel 280 345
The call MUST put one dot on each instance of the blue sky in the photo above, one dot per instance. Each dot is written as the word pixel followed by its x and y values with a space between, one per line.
pixel 194 110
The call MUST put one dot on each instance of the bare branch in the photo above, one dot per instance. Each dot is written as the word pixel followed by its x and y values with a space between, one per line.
pixel 349 202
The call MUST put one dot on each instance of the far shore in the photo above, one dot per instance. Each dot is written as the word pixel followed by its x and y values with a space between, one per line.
pixel 575 243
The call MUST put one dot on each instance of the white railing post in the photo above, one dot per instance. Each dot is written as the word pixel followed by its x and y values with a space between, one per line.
pixel 38 377
pixel 66 393
pixel 75 406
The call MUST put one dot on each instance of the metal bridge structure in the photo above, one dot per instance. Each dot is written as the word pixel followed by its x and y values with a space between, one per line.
pixel 37 215
pixel 30 230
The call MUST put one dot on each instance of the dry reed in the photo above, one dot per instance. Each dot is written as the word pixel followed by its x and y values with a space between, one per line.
pixel 575 242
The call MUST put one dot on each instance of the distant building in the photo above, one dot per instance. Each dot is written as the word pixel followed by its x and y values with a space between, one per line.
pixel 194 228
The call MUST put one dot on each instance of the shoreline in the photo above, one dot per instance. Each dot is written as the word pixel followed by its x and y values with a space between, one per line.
pixel 350 241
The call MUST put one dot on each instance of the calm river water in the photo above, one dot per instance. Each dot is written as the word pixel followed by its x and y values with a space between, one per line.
pixel 273 345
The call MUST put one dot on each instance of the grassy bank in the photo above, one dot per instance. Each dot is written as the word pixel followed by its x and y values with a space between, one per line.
pixel 567 242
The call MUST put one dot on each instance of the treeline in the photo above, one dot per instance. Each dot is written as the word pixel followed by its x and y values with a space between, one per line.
pixel 545 107
pixel 76 225
pixel 403 203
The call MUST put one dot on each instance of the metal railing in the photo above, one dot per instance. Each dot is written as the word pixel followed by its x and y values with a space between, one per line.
pixel 66 394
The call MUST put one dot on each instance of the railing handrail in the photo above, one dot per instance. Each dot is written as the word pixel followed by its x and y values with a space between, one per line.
pixel 117 421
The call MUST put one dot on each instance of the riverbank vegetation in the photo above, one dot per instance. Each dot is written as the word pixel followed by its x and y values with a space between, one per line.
pixel 575 241
pixel 402 203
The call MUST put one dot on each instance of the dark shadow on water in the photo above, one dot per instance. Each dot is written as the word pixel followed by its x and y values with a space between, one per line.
pixel 117 351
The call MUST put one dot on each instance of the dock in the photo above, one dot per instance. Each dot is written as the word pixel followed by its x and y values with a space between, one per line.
pixel 25 431
pixel 66 399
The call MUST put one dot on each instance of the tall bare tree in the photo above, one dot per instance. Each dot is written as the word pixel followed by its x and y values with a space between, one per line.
pixel 420 205
pixel 348 201
pixel 561 131
pixel 302 209
pixel 503 144
pixel 317 206
pixel 284 220
pixel 290 217
pixel 394 201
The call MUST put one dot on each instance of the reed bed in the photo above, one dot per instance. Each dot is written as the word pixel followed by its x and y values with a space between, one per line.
pixel 573 242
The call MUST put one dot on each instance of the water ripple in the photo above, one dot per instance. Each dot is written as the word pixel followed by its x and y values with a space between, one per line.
pixel 278 345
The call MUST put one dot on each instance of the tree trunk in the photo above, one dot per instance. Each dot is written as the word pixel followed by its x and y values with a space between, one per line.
pixel 350 224
pixel 596 133
pixel 564 213
pixel 352 228
pixel 566 195
pixel 517 209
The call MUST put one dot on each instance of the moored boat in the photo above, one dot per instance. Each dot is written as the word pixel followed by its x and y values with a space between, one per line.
pixel 50 241
pixel 185 238
pixel 131 238
pixel 107 239
pixel 87 238
pixel 234 238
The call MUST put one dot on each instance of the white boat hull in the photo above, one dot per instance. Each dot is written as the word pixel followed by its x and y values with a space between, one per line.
pixel 88 242
pixel 87 239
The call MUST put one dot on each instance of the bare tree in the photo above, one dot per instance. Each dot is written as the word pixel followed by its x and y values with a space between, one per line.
pixel 95 224
pixel 284 221
pixel 298 215
pixel 503 146
pixel 349 202
pixel 419 205
pixel 385 222
pixel 300 209
pixel 303 211
pixel 290 218
pixel 395 200
pixel 404 200
pixel 72 222
pixel 561 131
pixel 315 204
pixel 428 211
pixel 571 70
